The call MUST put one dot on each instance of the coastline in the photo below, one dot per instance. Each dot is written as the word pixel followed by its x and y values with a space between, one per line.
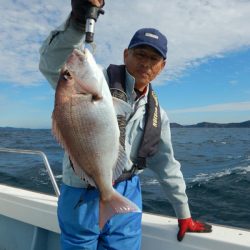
pixel 245 124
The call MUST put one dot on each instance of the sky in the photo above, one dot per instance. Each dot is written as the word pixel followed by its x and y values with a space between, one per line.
pixel 207 76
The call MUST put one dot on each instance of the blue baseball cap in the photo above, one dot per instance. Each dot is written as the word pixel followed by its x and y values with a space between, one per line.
pixel 151 37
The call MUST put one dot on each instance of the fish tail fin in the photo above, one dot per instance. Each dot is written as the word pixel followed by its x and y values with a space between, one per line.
pixel 118 204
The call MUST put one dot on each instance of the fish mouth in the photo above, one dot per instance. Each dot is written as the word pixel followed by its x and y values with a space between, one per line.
pixel 79 53
pixel 76 57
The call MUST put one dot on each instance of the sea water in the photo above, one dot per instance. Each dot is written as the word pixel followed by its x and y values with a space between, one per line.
pixel 215 163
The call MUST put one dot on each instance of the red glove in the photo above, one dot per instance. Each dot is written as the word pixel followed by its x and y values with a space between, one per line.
pixel 190 225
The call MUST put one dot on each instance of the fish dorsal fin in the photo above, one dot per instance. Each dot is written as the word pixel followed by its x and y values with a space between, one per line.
pixel 81 173
pixel 121 107
pixel 122 163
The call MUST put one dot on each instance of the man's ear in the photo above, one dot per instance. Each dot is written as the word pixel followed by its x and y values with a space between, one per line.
pixel 125 54
pixel 163 64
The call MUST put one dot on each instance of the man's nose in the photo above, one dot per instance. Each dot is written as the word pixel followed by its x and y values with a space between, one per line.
pixel 146 62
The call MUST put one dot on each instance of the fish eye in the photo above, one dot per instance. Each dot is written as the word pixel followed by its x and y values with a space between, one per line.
pixel 67 75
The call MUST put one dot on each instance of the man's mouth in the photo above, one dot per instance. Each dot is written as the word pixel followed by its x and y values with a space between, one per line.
pixel 142 72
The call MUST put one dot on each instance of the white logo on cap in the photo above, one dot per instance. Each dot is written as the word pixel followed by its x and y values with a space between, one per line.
pixel 152 35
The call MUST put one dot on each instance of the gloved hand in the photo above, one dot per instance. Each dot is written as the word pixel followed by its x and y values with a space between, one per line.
pixel 80 9
pixel 190 225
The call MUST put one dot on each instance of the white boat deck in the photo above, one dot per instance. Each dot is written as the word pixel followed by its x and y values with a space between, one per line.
pixel 28 221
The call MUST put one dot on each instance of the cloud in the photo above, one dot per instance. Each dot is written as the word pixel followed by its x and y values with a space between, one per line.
pixel 237 106
pixel 196 29
pixel 23 27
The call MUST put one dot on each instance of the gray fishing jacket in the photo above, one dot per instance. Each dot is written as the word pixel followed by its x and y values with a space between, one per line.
pixel 53 54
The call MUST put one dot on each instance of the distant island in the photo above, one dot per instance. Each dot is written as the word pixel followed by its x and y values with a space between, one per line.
pixel 245 124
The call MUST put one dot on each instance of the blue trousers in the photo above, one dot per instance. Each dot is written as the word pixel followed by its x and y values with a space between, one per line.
pixel 78 215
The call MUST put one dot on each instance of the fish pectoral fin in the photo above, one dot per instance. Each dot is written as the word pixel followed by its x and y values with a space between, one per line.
pixel 117 204
pixel 121 107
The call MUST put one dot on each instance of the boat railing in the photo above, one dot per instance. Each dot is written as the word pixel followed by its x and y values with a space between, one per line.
pixel 45 161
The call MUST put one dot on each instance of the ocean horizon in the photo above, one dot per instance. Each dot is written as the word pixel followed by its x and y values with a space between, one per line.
pixel 203 124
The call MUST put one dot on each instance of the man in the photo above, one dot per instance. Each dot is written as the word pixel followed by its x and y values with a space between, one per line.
pixel 147 141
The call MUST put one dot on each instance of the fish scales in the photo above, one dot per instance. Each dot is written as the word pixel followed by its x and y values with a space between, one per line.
pixel 84 132
pixel 93 134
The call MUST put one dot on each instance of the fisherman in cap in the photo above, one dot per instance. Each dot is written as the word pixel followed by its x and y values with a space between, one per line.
pixel 146 139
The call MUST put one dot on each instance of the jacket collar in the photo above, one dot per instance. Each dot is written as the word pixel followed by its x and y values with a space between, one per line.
pixel 130 85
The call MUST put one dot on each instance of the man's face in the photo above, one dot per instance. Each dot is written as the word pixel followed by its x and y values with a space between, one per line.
pixel 144 63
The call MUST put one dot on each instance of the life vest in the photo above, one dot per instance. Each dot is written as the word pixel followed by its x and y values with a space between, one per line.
pixel 152 129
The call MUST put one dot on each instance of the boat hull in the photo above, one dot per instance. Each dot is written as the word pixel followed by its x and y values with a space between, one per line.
pixel 28 221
